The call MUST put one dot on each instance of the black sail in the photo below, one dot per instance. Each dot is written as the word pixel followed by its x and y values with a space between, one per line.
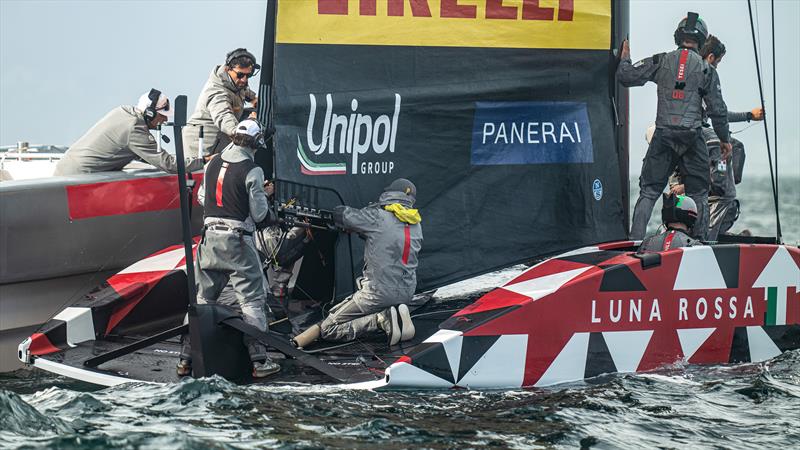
pixel 504 114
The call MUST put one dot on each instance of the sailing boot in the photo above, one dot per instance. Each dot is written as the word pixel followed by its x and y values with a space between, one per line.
pixel 184 368
pixel 387 321
pixel 265 368
pixel 405 323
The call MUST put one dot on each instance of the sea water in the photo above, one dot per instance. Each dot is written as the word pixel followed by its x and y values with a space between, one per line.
pixel 752 405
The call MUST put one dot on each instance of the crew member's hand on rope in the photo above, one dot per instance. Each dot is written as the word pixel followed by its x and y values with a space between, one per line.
pixel 269 188
pixel 757 114
pixel 677 189
pixel 626 51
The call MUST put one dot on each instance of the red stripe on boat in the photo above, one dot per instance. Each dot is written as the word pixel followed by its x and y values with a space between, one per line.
pixel 220 180
pixel 403 359
pixel 615 245
pixel 122 197
pixel 407 245
pixel 41 345
pixel 132 287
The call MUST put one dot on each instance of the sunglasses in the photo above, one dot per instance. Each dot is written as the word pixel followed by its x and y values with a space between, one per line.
pixel 240 75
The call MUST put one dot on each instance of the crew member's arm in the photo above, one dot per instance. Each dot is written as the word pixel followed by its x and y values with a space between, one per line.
pixel 219 107
pixel 638 74
pixel 358 220
pixel 717 111
pixel 259 204
pixel 746 116
pixel 143 144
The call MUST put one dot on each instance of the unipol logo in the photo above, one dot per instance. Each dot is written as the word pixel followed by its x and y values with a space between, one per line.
pixel 349 136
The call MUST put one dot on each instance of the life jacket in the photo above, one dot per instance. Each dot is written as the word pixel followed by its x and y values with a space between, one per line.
pixel 226 189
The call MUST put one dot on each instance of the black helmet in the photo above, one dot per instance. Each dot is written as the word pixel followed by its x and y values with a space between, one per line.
pixel 678 208
pixel 691 28
pixel 404 186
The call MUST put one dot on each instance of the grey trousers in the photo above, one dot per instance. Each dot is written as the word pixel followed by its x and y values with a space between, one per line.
pixel 723 212
pixel 227 256
pixel 358 314
pixel 668 148
pixel 280 278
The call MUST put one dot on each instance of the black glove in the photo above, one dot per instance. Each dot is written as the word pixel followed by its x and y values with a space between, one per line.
pixel 270 219
pixel 338 216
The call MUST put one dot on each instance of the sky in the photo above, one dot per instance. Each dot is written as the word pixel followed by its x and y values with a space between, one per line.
pixel 65 63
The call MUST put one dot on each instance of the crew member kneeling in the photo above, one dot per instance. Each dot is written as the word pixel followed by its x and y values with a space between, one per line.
pixel 394 238
pixel 678 214
pixel 234 201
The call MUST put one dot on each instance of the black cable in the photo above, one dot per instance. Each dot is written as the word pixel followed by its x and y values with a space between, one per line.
pixel 775 116
pixel 766 127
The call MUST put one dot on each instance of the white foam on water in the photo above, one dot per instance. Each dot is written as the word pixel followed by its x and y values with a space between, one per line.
pixel 480 283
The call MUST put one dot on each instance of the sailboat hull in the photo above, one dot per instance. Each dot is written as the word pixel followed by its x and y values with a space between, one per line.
pixel 603 310
pixel 592 311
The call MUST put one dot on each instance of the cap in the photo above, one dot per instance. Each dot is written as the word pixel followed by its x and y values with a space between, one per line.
pixel 163 106
pixel 249 127
pixel 402 185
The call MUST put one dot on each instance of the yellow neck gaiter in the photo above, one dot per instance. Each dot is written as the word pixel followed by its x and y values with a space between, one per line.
pixel 404 214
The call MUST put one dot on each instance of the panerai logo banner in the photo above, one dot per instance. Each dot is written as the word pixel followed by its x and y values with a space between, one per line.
pixel 338 140
pixel 560 24
pixel 531 133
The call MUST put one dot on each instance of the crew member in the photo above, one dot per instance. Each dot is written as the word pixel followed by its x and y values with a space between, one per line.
pixel 678 214
pixel 221 104
pixel 283 251
pixel 393 239
pixel 725 174
pixel 684 82
pixel 122 136
pixel 234 202
pixel 722 202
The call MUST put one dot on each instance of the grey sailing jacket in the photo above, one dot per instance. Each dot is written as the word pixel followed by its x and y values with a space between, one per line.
pixel 254 180
pixel 390 255
pixel 701 84
pixel 218 109
pixel 678 239
pixel 113 142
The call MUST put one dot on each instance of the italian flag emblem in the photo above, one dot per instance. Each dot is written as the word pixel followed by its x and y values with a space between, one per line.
pixel 779 277
pixel 309 167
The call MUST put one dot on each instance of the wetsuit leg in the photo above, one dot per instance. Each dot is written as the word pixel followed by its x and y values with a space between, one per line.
pixel 209 284
pixel 730 217
pixel 657 166
pixel 720 216
pixel 248 284
pixel 356 316
pixel 694 166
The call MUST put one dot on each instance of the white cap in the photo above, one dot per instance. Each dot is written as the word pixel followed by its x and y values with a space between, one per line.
pixel 163 106
pixel 248 127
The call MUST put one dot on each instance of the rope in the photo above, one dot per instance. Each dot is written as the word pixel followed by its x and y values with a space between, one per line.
pixel 766 127
pixel 775 114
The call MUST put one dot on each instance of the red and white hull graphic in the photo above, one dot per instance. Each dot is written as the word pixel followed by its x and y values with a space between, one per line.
pixel 599 310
